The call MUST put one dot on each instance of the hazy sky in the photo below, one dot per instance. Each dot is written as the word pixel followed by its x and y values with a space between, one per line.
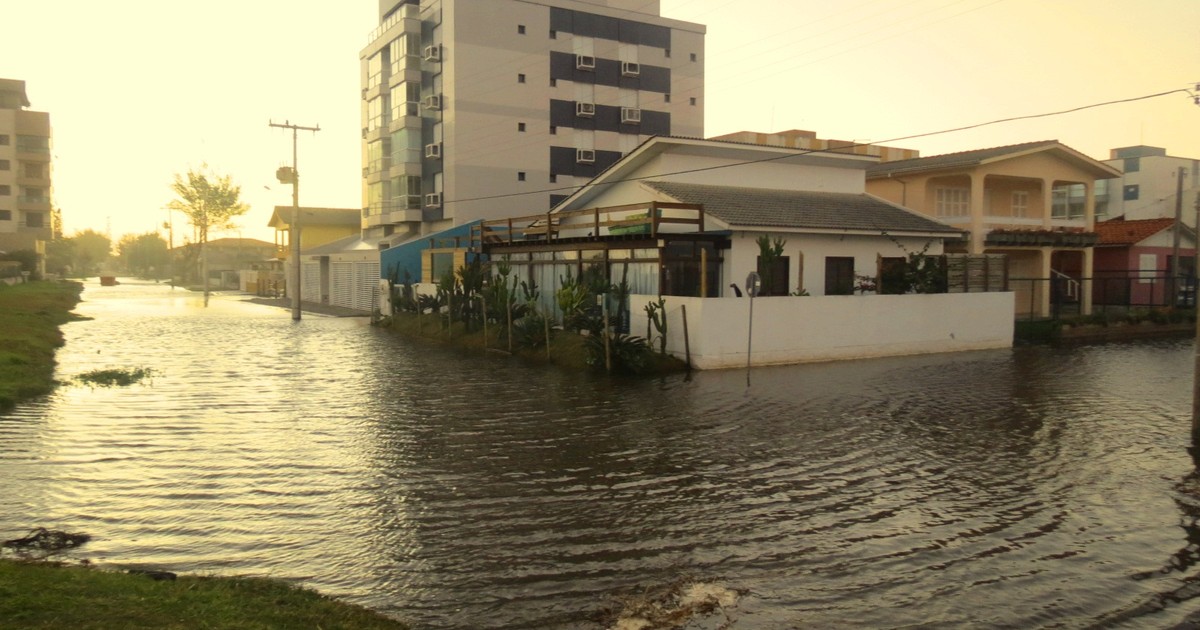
pixel 138 90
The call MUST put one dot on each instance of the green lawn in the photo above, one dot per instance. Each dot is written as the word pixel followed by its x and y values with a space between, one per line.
pixel 30 316
pixel 37 595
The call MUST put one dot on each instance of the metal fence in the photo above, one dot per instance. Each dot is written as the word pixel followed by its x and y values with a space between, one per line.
pixel 1112 292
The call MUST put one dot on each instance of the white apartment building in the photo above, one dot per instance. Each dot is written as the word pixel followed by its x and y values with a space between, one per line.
pixel 25 213
pixel 481 109
pixel 1147 186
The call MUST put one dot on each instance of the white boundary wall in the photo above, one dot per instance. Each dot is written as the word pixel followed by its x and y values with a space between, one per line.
pixel 804 329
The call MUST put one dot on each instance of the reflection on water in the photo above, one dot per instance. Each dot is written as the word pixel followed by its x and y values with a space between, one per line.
pixel 1028 488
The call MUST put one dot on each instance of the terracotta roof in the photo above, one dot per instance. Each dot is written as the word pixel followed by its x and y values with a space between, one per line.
pixel 971 159
pixel 952 160
pixel 762 207
pixel 1122 232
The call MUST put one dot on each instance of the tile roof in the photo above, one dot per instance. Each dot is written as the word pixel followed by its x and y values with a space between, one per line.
pixel 1122 232
pixel 762 207
pixel 952 160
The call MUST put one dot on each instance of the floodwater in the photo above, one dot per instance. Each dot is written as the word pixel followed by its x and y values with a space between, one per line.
pixel 1029 488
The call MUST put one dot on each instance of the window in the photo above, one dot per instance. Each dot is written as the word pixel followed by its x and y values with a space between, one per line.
pixel 1133 165
pixel 839 275
pixel 520 29
pixel 1068 201
pixel 35 170
pixel 521 127
pixel 953 202
pixel 374 70
pixel 892 271
pixel 5 190
pixel 1020 203
pixel 5 165
pixel 405 99
pixel 775 279
pixel 520 78
pixel 1131 192
pixel 692 101
pixel 520 176
pixel 5 215
pixel 693 56
pixel 1148 266
pixel 4 140
pixel 34 220
pixel 667 53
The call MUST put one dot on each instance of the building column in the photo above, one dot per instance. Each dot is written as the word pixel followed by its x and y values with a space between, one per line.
pixel 1047 202
pixel 1044 288
pixel 978 237
pixel 1085 293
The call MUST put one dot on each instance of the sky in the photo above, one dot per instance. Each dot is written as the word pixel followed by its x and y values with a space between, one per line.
pixel 140 90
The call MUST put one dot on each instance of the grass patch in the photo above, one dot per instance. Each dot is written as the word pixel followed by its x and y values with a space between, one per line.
pixel 114 377
pixel 38 595
pixel 30 316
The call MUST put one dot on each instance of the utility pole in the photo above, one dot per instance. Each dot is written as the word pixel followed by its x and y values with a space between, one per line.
pixel 1178 229
pixel 293 177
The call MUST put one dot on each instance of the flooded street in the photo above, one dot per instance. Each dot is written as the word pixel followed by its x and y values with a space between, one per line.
pixel 1025 488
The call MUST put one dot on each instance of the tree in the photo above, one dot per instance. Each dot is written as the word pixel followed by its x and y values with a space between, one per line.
pixel 144 255
pixel 91 250
pixel 209 201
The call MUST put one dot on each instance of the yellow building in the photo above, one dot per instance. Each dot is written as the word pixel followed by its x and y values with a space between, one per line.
pixel 318 226
pixel 1034 202
pixel 26 220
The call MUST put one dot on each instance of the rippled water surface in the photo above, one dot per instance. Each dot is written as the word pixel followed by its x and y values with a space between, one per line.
pixel 1034 487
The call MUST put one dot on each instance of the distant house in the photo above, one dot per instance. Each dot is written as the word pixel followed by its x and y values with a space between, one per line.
pixel 337 266
pixel 1033 202
pixel 1147 183
pixel 1133 262
pixel 226 258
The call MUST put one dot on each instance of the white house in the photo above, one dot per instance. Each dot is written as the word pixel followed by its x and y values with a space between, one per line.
pixel 684 217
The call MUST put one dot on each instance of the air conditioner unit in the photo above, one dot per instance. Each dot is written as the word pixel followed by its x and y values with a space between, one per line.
pixel 433 53
pixel 585 62
pixel 433 200
pixel 365 130
pixel 631 115
pixel 433 151
pixel 433 101
pixel 585 156
pixel 630 68
pixel 586 110
pixel 365 90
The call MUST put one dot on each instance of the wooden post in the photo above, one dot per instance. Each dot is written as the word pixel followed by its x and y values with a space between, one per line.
pixel 607 351
pixel 687 346
pixel 546 322
pixel 703 276
pixel 483 309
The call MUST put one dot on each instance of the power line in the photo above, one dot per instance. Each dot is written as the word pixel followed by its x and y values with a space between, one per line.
pixel 838 150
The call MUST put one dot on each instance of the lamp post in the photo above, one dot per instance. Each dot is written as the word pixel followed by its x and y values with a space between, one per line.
pixel 291 176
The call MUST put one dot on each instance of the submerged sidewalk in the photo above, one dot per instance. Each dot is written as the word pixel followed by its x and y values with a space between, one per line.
pixel 309 307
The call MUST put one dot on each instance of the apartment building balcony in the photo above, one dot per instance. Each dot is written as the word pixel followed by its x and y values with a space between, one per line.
pixel 408 168
pixel 378 170
pixel 33 203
